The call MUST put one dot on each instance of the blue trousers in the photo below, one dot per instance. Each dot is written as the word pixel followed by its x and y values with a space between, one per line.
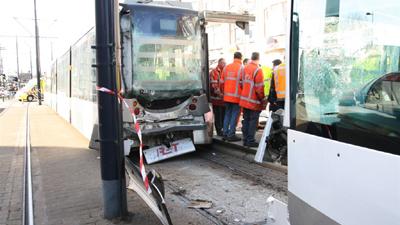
pixel 249 125
pixel 231 114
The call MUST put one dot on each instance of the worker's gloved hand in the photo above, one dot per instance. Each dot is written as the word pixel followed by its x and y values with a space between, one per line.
pixel 264 103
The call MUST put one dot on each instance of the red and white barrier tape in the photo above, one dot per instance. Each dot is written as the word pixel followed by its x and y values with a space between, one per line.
pixel 138 132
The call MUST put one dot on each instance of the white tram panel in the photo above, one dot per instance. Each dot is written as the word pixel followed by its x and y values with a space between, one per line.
pixel 353 185
pixel 83 79
pixel 63 85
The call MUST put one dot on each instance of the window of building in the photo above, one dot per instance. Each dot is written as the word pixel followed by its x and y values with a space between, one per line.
pixel 275 20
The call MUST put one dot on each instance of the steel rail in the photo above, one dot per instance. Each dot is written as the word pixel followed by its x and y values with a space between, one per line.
pixel 139 189
pixel 27 214
pixel 269 178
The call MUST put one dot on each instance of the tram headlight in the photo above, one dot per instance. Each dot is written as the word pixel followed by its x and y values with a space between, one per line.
pixel 192 107
pixel 136 111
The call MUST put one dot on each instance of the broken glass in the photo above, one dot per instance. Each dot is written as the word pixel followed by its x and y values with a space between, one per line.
pixel 349 69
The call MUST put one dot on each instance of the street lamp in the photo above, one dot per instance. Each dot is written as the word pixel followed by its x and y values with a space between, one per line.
pixel 372 24
pixel 372 16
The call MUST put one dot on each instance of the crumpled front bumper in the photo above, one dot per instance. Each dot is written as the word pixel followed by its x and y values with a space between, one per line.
pixel 156 128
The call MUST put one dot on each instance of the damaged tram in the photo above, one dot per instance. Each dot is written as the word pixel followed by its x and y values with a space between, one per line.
pixel 165 79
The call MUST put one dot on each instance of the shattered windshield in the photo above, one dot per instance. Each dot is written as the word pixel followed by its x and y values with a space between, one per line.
pixel 349 71
pixel 166 54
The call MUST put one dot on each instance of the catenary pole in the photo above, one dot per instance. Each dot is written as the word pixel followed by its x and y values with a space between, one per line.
pixel 30 62
pixel 16 49
pixel 37 56
pixel 111 152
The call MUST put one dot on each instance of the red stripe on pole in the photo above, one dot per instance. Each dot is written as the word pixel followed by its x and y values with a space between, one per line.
pixel 137 127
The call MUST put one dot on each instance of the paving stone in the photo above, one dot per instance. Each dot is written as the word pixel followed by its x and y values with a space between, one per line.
pixel 11 161
pixel 66 174
pixel 68 185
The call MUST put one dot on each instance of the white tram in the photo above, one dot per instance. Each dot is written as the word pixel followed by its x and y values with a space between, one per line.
pixel 164 76
pixel 344 112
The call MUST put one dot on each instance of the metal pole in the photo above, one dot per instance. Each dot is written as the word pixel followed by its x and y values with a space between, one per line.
pixel 117 72
pixel 112 169
pixel 16 47
pixel 37 56
pixel 51 49
pixel 30 62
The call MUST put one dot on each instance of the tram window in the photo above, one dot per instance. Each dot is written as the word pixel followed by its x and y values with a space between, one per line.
pixel 63 75
pixel 83 75
pixel 166 57
pixel 349 71
pixel 172 24
pixel 167 25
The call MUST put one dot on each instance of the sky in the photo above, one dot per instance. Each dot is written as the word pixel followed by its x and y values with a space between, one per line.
pixel 61 23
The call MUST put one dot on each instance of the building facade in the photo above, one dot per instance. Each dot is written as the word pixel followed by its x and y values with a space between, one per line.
pixel 267 34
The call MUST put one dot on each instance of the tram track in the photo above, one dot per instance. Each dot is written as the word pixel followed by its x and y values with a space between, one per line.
pixel 27 203
pixel 270 178
pixel 267 177
pixel 212 217
pixel 238 188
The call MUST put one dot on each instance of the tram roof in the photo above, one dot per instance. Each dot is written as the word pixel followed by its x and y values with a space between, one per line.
pixel 179 8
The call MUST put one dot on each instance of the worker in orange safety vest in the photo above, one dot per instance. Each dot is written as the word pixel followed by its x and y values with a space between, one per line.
pixel 252 99
pixel 279 85
pixel 216 96
pixel 231 78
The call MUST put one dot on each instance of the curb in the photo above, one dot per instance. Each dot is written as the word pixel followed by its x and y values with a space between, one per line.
pixel 245 153
pixel 235 146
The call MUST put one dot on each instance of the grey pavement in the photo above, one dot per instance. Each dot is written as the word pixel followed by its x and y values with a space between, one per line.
pixel 11 164
pixel 67 183
pixel 66 175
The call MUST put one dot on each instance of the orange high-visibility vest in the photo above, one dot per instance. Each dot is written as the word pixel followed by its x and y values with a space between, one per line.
pixel 215 87
pixel 253 88
pixel 280 81
pixel 231 79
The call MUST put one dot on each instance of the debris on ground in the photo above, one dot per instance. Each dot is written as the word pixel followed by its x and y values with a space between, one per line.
pixel 200 204
pixel 220 211
pixel 179 192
